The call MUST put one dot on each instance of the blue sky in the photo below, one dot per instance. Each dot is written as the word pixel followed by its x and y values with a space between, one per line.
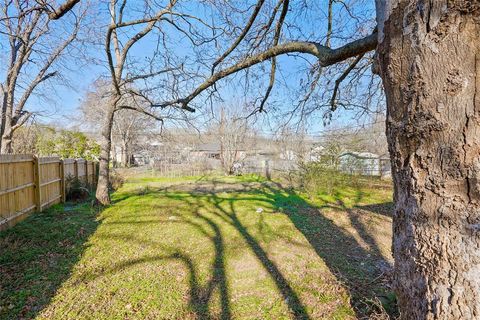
pixel 63 100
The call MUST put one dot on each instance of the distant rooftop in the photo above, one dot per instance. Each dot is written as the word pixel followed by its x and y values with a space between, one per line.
pixel 362 155
pixel 208 147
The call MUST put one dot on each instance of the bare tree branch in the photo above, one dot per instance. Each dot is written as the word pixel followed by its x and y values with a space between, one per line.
pixel 241 36
pixel 333 100
pixel 138 109
pixel 149 75
pixel 276 38
pixel 59 12
pixel 116 69
pixel 326 56
pixel 32 53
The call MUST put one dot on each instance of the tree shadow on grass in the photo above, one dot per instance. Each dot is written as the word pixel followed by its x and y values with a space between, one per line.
pixel 296 307
pixel 200 295
pixel 357 266
pixel 385 209
pixel 37 256
pixel 229 215
pixel 362 269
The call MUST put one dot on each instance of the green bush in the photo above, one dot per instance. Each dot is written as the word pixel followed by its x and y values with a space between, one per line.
pixel 116 180
pixel 77 190
pixel 317 177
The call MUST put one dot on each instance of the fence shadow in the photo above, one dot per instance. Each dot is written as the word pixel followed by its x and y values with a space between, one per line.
pixel 37 256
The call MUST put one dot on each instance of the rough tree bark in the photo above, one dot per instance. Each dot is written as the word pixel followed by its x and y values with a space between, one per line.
pixel 102 195
pixel 429 60
pixel 6 138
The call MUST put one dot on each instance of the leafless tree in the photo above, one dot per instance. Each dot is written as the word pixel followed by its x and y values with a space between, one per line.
pixel 125 72
pixel 427 57
pixel 292 144
pixel 33 45
pixel 128 125
pixel 232 132
pixel 369 137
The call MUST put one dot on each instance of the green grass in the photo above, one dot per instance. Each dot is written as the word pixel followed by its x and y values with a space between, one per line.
pixel 36 256
pixel 197 248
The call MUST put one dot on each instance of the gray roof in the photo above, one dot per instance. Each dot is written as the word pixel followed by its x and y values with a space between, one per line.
pixel 361 155
pixel 208 147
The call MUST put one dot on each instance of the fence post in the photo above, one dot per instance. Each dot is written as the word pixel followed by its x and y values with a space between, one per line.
pixel 75 168
pixel 86 175
pixel 36 181
pixel 62 181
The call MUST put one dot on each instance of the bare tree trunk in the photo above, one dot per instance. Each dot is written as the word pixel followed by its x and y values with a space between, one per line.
pixel 102 193
pixel 3 118
pixel 6 131
pixel 429 60
pixel 6 140
pixel 125 155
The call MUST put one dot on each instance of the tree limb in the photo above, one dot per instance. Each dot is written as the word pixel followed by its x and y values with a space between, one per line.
pixel 326 57
pixel 41 76
pixel 57 13
pixel 138 109
pixel 117 69
pixel 241 36
pixel 149 75
pixel 273 69
pixel 333 100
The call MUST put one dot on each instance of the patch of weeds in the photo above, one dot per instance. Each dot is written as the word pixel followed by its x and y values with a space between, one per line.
pixel 144 190
pixel 116 180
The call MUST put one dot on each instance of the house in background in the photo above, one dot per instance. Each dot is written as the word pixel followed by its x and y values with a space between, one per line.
pixel 207 150
pixel 365 163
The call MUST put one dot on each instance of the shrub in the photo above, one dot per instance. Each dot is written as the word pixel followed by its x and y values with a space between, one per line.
pixel 77 190
pixel 316 177
pixel 117 179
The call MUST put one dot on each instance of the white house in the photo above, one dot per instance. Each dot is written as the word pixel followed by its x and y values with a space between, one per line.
pixel 365 163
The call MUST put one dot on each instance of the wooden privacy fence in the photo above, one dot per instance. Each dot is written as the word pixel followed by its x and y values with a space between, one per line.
pixel 29 183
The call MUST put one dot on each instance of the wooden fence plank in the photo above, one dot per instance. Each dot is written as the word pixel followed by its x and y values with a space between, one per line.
pixel 29 183
pixel 62 178
pixel 36 179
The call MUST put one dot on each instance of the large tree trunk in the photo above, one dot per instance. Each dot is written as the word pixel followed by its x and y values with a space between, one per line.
pixel 102 193
pixel 6 132
pixel 429 59
pixel 6 140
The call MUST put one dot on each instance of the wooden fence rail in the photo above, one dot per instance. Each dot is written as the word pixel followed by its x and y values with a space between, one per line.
pixel 29 183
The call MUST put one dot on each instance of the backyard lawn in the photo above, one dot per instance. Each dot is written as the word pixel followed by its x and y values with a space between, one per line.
pixel 204 248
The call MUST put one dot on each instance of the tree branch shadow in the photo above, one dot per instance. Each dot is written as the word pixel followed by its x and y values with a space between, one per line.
pixel 356 266
pixel 37 256
pixel 364 271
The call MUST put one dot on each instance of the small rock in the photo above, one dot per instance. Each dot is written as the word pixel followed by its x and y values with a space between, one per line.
pixel 259 210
